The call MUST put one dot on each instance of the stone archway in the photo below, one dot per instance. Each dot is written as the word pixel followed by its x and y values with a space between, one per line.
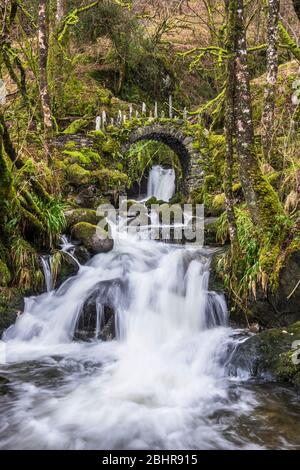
pixel 172 136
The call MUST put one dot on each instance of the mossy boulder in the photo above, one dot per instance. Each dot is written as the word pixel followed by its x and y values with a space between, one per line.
pixel 74 216
pixel 152 201
pixel 109 179
pixel 77 176
pixel 85 157
pixel 11 305
pixel 272 354
pixel 95 239
pixel 76 126
pixel 5 276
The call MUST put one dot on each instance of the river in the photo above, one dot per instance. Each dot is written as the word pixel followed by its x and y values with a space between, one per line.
pixel 165 382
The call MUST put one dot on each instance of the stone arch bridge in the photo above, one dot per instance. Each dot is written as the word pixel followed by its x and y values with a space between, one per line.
pixel 173 133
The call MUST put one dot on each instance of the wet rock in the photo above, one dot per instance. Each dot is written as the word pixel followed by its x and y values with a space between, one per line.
pixel 90 197
pixel 82 254
pixel 96 240
pixel 66 268
pixel 96 308
pixel 11 305
pixel 280 308
pixel 273 354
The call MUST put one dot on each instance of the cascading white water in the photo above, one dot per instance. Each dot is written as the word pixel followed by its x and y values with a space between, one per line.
pixel 159 385
pixel 47 270
pixel 161 183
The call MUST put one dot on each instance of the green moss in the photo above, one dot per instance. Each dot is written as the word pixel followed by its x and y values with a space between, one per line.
pixel 5 276
pixel 76 126
pixel 217 204
pixel 111 146
pixel 104 96
pixel 77 175
pixel 110 179
pixel 85 157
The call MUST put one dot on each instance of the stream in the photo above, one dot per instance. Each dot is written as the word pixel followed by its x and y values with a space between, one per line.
pixel 165 382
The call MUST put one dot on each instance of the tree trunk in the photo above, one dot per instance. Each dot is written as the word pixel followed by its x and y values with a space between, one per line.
pixel 5 186
pixel 229 133
pixel 43 59
pixel 261 199
pixel 296 4
pixel 61 8
pixel 268 118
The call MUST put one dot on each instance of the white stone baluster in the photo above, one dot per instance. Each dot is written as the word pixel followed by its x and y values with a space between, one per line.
pixel 104 119
pixel 170 107
pixel 120 118
pixel 98 123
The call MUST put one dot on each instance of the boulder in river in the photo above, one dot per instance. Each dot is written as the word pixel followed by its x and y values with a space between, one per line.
pixel 95 239
pixel 272 354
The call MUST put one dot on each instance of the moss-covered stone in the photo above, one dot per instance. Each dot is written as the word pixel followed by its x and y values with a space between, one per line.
pixel 76 126
pixel 272 353
pixel 85 157
pixel 95 239
pixel 109 179
pixel 77 175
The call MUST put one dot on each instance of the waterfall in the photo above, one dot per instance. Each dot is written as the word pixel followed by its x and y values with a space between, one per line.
pixel 46 265
pixel 155 386
pixel 161 183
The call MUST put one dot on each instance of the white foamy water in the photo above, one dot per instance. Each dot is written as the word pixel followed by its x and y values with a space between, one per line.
pixel 154 387
pixel 161 183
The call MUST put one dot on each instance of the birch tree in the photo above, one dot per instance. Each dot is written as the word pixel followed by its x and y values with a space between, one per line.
pixel 268 118
pixel 43 60
pixel 261 199
pixel 61 9
pixel 229 129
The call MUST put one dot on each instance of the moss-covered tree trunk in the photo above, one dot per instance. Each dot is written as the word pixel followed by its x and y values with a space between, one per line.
pixel 261 199
pixel 43 60
pixel 6 188
pixel 229 131
pixel 288 42
pixel 268 124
